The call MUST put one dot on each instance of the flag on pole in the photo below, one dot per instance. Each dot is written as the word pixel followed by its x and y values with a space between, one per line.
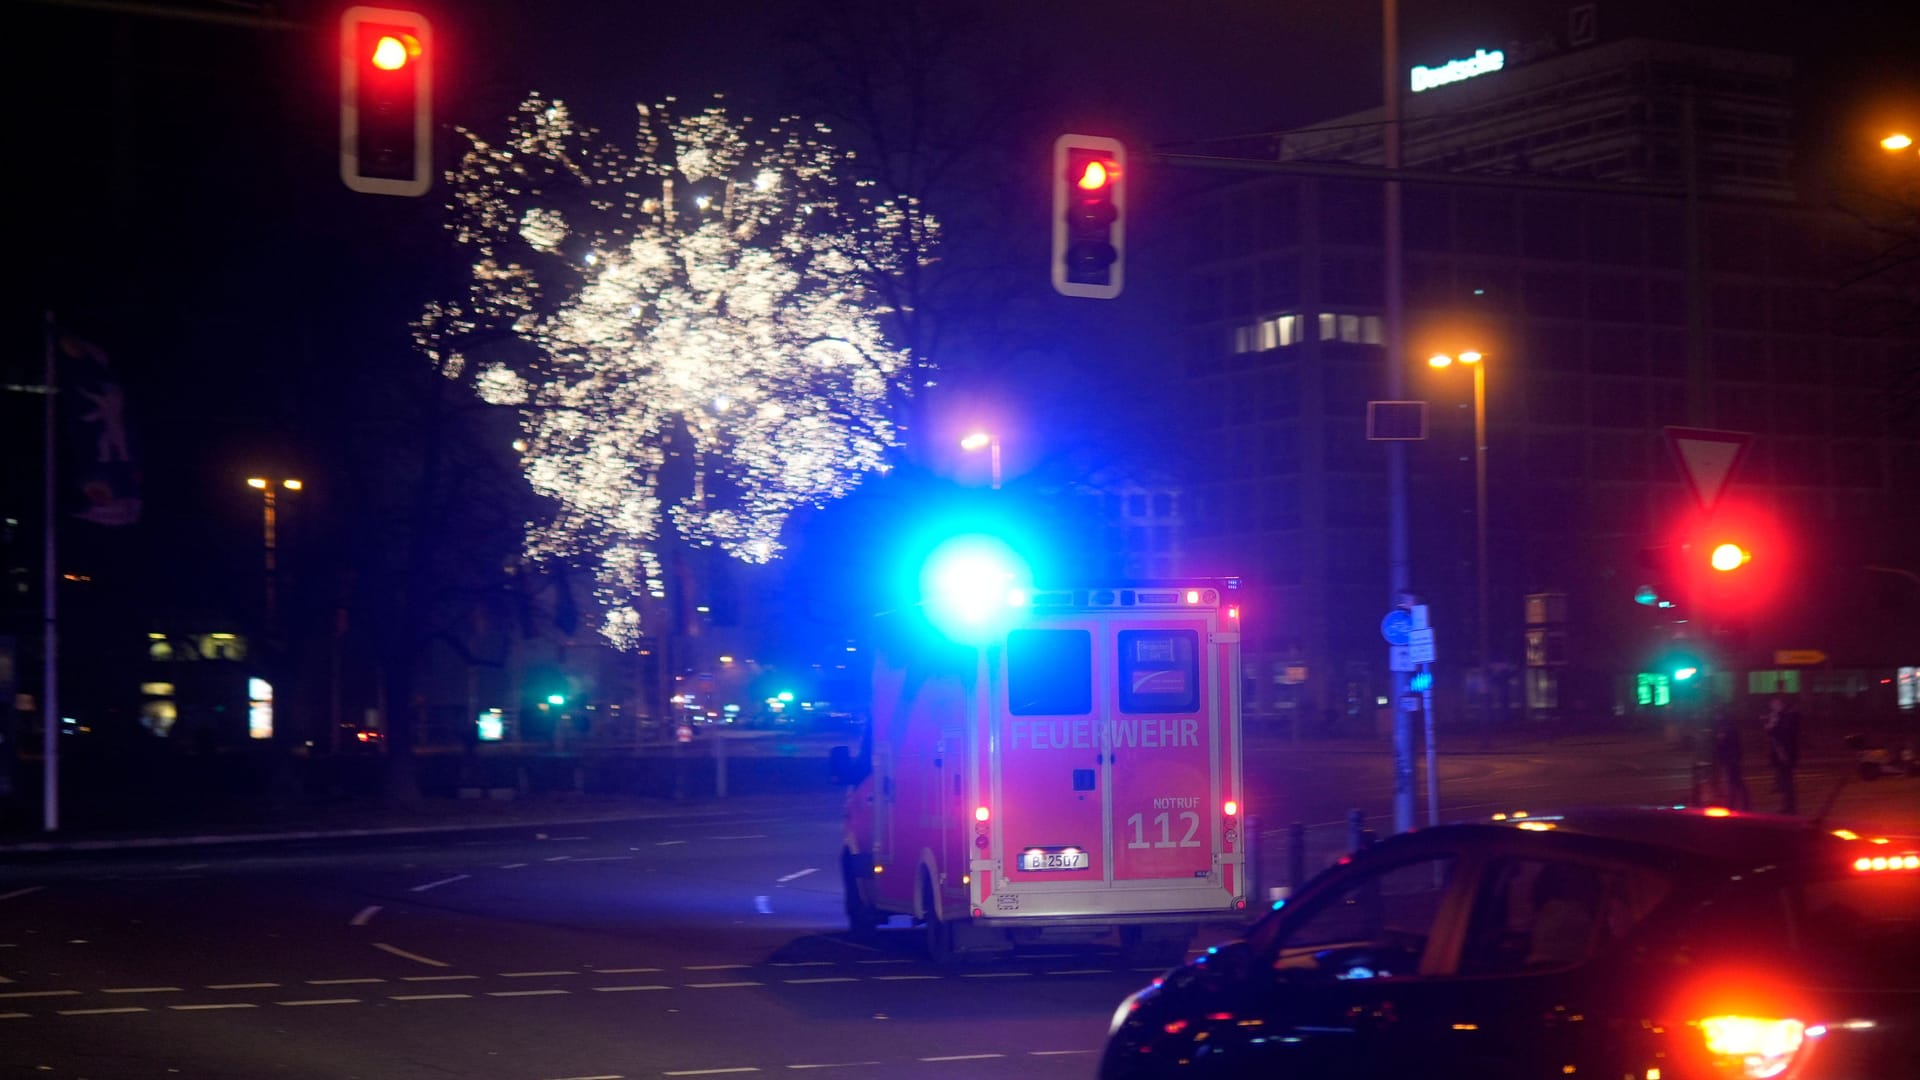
pixel 104 474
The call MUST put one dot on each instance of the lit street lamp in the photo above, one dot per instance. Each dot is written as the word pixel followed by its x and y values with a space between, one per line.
pixel 267 489
pixel 979 439
pixel 1897 142
pixel 1473 359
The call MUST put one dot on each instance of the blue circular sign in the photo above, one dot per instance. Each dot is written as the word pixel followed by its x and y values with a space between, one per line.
pixel 1397 626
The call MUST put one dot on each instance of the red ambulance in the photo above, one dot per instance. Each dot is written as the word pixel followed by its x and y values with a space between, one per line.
pixel 1073 774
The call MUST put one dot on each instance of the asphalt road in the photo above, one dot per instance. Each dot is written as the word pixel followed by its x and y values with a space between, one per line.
pixel 708 943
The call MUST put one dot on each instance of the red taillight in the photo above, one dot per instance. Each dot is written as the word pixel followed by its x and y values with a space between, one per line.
pixel 1233 611
pixel 1232 808
pixel 1870 863
pixel 1752 1047
pixel 980 813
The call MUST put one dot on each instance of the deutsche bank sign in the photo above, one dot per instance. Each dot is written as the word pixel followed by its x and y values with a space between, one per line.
pixel 1453 71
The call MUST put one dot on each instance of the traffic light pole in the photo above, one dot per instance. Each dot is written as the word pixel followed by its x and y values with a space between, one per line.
pixel 1394 337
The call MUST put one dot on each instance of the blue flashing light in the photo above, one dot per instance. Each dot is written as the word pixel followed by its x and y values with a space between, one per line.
pixel 556 699
pixel 973 586
pixel 785 695
pixel 1421 681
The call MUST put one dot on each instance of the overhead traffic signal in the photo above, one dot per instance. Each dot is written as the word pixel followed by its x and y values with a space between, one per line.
pixel 1089 216
pixel 386 101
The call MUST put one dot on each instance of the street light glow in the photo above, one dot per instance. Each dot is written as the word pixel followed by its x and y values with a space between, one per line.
pixel 1897 141
pixel 975 441
pixel 1440 360
pixel 1470 357
pixel 291 485
pixel 259 482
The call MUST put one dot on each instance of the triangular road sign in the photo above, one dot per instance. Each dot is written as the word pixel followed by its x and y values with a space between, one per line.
pixel 1707 459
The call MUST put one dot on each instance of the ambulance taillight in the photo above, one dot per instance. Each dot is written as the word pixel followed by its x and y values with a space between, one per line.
pixel 980 817
pixel 1232 808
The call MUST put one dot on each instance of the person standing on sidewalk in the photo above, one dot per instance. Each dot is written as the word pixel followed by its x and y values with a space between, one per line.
pixel 1783 749
pixel 1726 762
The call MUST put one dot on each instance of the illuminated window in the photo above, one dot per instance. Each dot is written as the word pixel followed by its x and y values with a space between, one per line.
pixel 1159 671
pixel 259 709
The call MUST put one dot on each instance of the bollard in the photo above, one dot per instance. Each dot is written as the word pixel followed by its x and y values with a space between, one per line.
pixel 1356 825
pixel 1296 855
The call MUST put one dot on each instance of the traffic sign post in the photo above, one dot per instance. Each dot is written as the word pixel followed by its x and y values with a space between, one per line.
pixel 1707 459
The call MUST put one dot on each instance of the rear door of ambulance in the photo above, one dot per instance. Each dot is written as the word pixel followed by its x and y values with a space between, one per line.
pixel 1111 754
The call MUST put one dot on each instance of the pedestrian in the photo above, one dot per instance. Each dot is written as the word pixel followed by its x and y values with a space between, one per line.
pixel 1783 749
pixel 1727 763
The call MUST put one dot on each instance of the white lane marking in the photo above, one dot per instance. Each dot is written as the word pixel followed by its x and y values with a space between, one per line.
pixel 603 858
pixel 1056 1053
pixel 37 888
pixel 996 974
pixel 834 1065
pixel 437 978
pixel 14 1016
pixel 716 967
pixel 98 1012
pixel 405 955
pixel 795 876
pixel 321 1001
pixel 628 971
pixel 442 881
pixel 801 963
pixel 905 978
pixel 710 1072
pixel 4 980
pixel 808 982
pixel 205 1008
pixel 533 974
pixel 607 1076
pixel 964 1057
pixel 763 905
pixel 140 990
pixel 1081 971
pixel 192 866
pixel 618 989
pixel 557 858
pixel 721 986
pixel 366 915
pixel 513 866
pixel 883 961
pixel 572 838
pixel 662 843
pixel 39 993
pixel 742 836
pixel 526 993
pixel 241 986
pixel 342 982
pixel 428 997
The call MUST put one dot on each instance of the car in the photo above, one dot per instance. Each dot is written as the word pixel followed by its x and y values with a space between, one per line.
pixel 1626 944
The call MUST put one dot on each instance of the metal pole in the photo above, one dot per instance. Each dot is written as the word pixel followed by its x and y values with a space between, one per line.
pixel 270 522
pixel 1433 750
pixel 1397 559
pixel 50 676
pixel 1480 537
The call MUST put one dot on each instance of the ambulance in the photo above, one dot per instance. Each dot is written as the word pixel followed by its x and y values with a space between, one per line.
pixel 1070 770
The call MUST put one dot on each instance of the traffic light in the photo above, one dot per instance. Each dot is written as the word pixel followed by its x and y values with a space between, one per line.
pixel 386 101
pixel 1089 216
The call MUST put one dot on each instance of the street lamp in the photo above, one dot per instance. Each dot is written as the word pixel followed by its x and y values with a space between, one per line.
pixel 267 489
pixel 1896 142
pixel 1473 360
pixel 978 439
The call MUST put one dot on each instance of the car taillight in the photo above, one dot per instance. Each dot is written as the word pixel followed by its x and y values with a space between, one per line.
pixel 1753 1047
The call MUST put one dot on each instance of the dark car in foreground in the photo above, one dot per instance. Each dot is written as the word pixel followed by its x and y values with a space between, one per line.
pixel 1621 944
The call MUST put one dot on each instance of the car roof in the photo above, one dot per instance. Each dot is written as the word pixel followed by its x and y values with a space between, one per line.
pixel 1702 833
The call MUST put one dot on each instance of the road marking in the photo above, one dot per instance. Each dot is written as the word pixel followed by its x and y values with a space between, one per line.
pixel 241 986
pixel 905 978
pixel 366 915
pixel 205 1008
pixel 742 836
pixel 1081 971
pixel 525 993
pixel 140 990
pixel 557 858
pixel 534 974
pixel 321 1001
pixel 603 858
pixel 763 905
pixel 795 876
pixel 834 1065
pixel 14 1016
pixel 342 982
pixel 662 843
pixel 809 982
pixel 608 1076
pixel 965 1057
pixel 192 866
pixel 437 978
pixel 39 993
pixel 4 980
pixel 513 866
pixel 710 1072
pixel 721 986
pixel 37 888
pixel 717 967
pixel 427 997
pixel 628 971
pixel 405 955
pixel 618 989
pixel 572 838
pixel 96 1012
pixel 1056 1053
pixel 996 974
pixel 442 881
pixel 883 961
pixel 801 963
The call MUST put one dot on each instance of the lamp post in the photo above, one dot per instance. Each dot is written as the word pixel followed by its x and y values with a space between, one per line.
pixel 1475 361
pixel 978 439
pixel 268 491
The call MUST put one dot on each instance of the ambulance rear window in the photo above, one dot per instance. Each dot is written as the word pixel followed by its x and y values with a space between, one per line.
pixel 1049 672
pixel 1159 672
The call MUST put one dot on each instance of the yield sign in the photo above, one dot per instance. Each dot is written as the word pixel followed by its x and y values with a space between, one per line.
pixel 1707 459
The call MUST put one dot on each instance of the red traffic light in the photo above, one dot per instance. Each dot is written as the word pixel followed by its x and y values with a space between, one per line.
pixel 386 101
pixel 1094 175
pixel 1089 216
pixel 1728 557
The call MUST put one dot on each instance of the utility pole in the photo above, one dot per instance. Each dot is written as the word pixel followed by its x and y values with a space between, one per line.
pixel 1394 338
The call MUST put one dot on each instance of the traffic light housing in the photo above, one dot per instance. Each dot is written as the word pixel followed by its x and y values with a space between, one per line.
pixel 386 101
pixel 1089 216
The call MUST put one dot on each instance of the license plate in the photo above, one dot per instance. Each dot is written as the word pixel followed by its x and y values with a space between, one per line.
pixel 1064 859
